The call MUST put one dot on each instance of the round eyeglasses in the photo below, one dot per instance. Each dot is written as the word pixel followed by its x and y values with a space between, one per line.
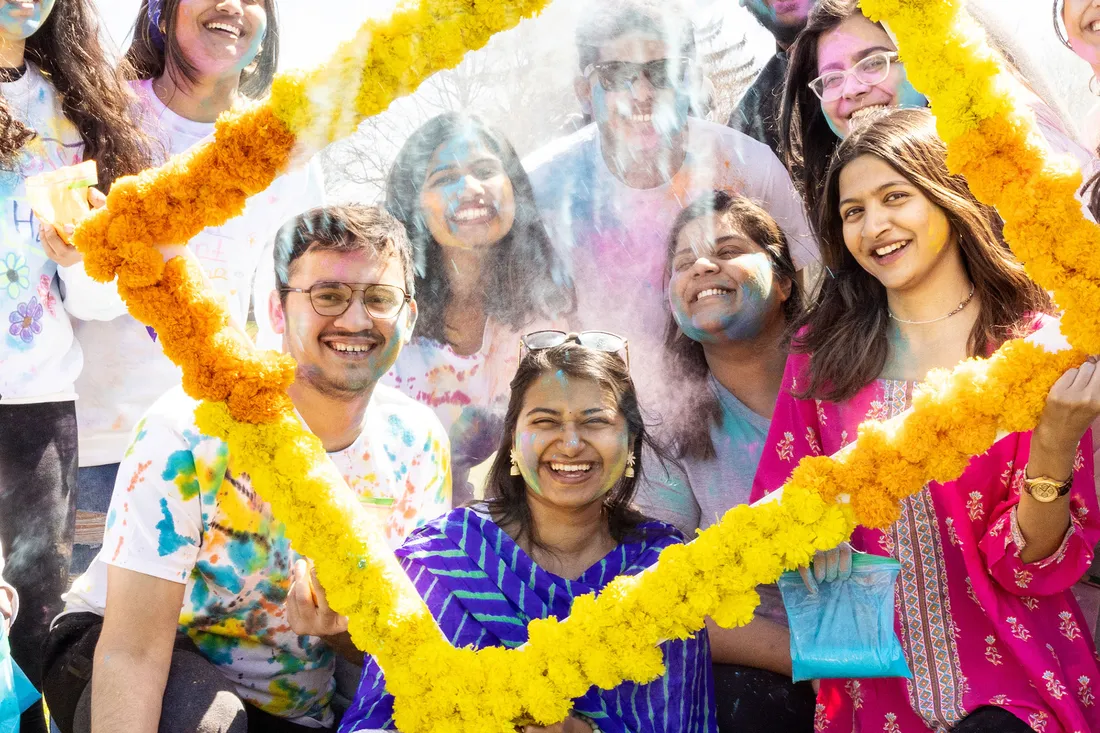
pixel 872 70
pixel 334 299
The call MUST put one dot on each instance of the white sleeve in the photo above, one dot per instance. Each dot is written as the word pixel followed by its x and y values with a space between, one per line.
pixel 87 299
pixel 298 198
pixel 5 585
pixel 785 206
pixel 154 525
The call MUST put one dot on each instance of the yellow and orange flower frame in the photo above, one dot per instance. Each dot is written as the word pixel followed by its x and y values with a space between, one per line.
pixel 615 636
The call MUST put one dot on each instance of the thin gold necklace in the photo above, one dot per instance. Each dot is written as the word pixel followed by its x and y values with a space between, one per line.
pixel 958 309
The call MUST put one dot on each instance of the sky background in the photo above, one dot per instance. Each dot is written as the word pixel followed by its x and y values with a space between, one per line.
pixel 306 22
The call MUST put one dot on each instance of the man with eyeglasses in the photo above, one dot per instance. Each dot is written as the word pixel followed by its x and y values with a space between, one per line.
pixel 611 192
pixel 186 607
pixel 757 114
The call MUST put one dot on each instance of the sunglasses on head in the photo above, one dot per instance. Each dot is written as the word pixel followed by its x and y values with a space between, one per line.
pixel 618 76
pixel 596 340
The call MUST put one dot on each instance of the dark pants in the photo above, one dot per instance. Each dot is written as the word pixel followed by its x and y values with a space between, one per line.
pixel 37 512
pixel 750 699
pixel 992 720
pixel 198 697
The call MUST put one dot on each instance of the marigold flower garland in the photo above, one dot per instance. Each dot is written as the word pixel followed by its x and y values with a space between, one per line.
pixel 611 638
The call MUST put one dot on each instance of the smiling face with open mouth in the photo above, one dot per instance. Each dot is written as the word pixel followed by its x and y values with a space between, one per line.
pixel 20 19
pixel 346 354
pixel 891 228
pixel 220 37
pixel 467 199
pixel 571 441
pixel 840 49
pixel 723 286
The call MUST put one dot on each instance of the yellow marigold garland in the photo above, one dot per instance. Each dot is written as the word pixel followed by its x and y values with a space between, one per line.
pixel 611 638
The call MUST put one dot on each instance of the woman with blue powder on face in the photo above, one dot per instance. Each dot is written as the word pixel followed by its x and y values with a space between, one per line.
pixel 843 65
pixel 486 271
pixel 732 293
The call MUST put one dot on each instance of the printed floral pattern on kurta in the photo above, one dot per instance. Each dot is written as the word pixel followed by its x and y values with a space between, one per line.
pixel 979 626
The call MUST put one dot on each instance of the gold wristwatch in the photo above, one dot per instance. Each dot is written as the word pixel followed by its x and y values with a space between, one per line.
pixel 1046 489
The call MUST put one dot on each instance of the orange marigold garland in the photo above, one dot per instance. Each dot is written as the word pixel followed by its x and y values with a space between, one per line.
pixel 611 638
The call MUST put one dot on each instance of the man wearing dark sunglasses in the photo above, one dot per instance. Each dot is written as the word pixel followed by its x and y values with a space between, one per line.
pixel 611 191
pixel 190 547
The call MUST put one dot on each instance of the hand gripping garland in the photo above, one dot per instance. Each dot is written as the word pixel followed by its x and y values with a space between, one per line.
pixel 958 414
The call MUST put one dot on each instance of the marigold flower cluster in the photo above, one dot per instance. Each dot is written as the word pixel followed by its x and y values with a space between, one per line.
pixel 615 636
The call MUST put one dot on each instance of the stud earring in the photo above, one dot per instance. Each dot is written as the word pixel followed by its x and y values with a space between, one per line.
pixel 629 472
pixel 514 470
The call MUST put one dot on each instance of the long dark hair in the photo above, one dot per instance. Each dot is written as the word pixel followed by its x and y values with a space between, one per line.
pixel 148 56
pixel 525 276
pixel 805 138
pixel 506 495
pixel 94 97
pixel 685 360
pixel 845 330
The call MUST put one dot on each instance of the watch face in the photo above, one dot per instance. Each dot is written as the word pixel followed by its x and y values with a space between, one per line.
pixel 1044 491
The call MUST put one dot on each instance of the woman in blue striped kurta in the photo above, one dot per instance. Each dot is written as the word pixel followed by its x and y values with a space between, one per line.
pixel 557 524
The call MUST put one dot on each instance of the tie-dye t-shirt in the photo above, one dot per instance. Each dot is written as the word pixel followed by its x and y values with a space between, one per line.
pixel 181 512
pixel 616 237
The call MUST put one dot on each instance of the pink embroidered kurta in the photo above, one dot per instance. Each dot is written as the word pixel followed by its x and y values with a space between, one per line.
pixel 979 626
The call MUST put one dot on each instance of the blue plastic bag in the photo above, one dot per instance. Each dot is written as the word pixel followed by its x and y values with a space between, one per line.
pixel 846 629
pixel 16 691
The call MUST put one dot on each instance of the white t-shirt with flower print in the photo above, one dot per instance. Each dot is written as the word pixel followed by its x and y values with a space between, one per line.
pixel 39 357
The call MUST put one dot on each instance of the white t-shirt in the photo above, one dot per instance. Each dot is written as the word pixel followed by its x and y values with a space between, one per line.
pixel 181 512
pixel 125 368
pixel 616 237
pixel 39 358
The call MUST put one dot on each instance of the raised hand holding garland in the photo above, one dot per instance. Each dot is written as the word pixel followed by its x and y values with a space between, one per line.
pixel 614 637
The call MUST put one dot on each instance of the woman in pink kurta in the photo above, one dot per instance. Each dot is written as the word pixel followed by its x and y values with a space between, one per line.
pixel 992 634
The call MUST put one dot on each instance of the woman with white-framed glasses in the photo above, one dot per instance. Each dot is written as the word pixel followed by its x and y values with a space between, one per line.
pixel 844 65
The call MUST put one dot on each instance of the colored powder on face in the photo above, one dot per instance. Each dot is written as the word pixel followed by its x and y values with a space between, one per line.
pixel 15 27
pixel 615 471
pixel 834 128
pixel 750 318
pixel 907 95
pixel 907 98
pixel 455 151
pixel 528 460
pixel 563 378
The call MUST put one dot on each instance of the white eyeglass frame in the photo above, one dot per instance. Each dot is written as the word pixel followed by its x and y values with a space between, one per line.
pixel 891 58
